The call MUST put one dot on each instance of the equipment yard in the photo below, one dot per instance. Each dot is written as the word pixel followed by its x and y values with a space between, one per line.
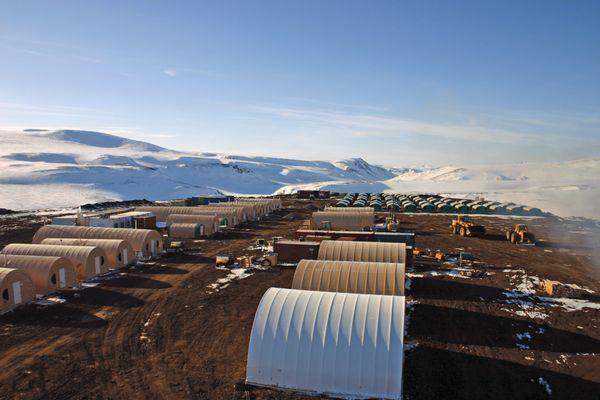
pixel 178 327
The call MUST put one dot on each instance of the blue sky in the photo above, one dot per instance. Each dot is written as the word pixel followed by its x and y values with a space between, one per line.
pixel 395 82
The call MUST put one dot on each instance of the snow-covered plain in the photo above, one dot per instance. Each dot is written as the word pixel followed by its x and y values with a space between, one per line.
pixel 43 169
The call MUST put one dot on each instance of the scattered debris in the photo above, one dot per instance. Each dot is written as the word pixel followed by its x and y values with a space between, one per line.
pixel 555 288
pixel 532 305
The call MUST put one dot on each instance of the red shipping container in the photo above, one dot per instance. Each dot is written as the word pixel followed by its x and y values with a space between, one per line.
pixel 292 251
pixel 358 235
pixel 316 238
pixel 144 222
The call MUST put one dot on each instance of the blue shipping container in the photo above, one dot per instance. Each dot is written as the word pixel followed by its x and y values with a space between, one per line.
pixel 396 237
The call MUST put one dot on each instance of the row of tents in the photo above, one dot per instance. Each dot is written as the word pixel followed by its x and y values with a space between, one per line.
pixel 62 257
pixel 339 330
pixel 433 204
pixel 193 222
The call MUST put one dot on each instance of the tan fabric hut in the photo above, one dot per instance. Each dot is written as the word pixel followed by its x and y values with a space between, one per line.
pixel 243 213
pixel 146 243
pixel 16 289
pixel 88 261
pixel 183 230
pixel 48 274
pixel 362 251
pixel 350 277
pixel 227 217
pixel 266 205
pixel 246 212
pixel 348 220
pixel 119 253
pixel 210 222
pixel 261 208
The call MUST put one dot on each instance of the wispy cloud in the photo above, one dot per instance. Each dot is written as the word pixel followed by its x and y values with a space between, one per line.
pixel 337 105
pixel 50 110
pixel 46 48
pixel 177 70
pixel 172 72
pixel 362 124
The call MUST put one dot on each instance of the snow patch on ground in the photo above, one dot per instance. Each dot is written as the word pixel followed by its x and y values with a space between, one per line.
pixel 544 383
pixel 50 301
pixel 521 338
pixel 144 336
pixel 234 274
pixel 531 305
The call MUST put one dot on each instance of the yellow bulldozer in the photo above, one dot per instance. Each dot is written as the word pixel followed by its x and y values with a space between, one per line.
pixel 464 227
pixel 520 235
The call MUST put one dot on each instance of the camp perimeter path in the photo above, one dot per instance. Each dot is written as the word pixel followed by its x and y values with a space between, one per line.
pixel 172 330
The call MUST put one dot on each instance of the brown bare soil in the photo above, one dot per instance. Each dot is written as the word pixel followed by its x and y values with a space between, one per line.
pixel 158 331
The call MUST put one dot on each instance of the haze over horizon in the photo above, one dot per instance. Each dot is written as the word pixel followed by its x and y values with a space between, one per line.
pixel 394 83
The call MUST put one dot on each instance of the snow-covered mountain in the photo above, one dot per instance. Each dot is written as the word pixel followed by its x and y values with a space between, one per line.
pixel 61 168
pixel 42 169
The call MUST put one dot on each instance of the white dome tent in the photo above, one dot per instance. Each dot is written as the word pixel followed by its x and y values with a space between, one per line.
pixel 339 344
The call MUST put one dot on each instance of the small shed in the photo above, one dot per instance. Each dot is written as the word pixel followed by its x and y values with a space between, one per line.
pixel 16 289
pixel 181 230
pixel 146 243
pixel 350 277
pixel 362 251
pixel 210 222
pixel 292 251
pixel 88 261
pixel 48 274
pixel 119 253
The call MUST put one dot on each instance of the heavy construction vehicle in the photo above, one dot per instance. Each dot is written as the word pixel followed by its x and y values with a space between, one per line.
pixel 520 235
pixel 391 224
pixel 464 227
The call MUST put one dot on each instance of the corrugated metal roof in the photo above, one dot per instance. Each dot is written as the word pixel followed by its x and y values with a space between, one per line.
pixel 362 251
pixel 350 277
pixel 339 344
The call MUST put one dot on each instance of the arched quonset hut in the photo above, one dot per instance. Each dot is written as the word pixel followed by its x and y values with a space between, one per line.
pixel 88 261
pixel 48 274
pixel 340 344
pixel 270 205
pixel 227 217
pixel 344 220
pixel 16 289
pixel 350 277
pixel 186 231
pixel 119 253
pixel 209 222
pixel 146 243
pixel 337 250
pixel 245 211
